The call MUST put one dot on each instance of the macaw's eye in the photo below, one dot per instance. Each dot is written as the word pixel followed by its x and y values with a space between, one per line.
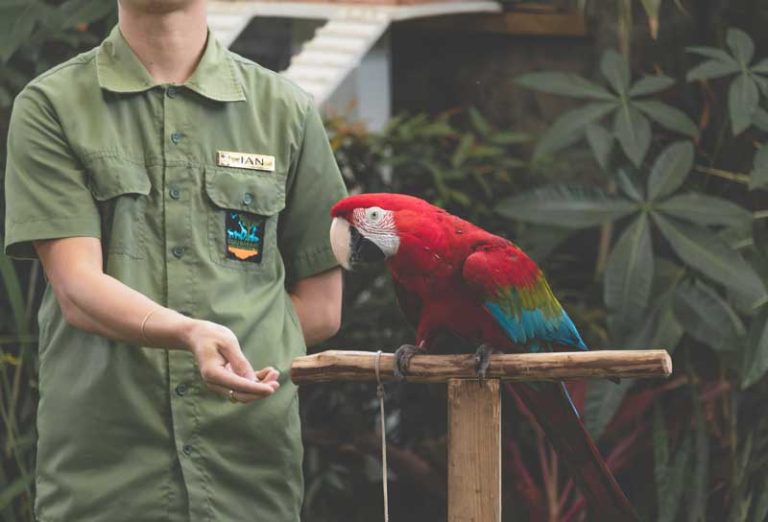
pixel 374 214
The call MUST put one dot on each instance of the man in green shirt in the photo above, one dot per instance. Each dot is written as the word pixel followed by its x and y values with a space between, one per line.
pixel 177 196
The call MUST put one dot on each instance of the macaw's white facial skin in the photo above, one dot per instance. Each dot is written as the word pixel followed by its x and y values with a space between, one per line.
pixel 374 224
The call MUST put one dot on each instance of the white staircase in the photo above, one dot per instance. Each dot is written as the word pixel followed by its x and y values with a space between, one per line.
pixel 338 46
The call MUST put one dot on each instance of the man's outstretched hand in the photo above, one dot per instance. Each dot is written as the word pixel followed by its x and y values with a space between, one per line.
pixel 223 366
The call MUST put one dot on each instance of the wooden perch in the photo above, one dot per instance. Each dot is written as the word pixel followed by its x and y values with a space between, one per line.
pixel 340 365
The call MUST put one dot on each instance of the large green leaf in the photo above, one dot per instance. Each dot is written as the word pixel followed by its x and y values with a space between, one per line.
pixel 761 503
pixel 755 362
pixel 629 275
pixel 627 184
pixel 677 477
pixel 712 69
pixel 651 85
pixel 707 317
pixel 633 130
pixel 565 207
pixel 759 176
pixel 564 84
pixel 570 127
pixel 601 403
pixel 741 45
pixel 601 142
pixel 712 52
pixel 17 22
pixel 670 169
pixel 706 252
pixel 659 327
pixel 760 67
pixel 616 70
pixel 743 100
pixel 11 284
pixel 760 119
pixel 668 117
pixel 706 210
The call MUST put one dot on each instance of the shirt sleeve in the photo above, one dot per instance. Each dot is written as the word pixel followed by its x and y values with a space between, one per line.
pixel 314 185
pixel 46 188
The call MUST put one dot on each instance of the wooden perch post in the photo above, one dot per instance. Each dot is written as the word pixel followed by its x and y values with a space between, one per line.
pixel 474 410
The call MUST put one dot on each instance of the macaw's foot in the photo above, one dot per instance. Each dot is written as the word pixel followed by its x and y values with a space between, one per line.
pixel 482 360
pixel 403 357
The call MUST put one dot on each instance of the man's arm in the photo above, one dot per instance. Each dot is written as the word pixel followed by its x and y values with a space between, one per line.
pixel 98 303
pixel 317 300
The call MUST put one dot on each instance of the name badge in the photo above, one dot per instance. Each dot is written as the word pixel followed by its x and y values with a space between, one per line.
pixel 241 160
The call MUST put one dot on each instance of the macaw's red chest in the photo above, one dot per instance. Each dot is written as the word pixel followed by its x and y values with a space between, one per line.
pixel 449 306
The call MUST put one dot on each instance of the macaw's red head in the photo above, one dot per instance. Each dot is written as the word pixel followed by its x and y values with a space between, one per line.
pixel 365 226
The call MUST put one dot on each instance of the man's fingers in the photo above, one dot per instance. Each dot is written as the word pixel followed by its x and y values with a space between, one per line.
pixel 219 376
pixel 267 374
pixel 237 361
pixel 239 397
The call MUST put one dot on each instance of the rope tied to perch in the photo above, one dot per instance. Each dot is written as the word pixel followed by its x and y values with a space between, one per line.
pixel 380 395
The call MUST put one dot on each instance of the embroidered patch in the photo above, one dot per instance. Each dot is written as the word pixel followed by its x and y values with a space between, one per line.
pixel 245 236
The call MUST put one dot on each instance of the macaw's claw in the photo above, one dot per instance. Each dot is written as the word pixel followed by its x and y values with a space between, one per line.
pixel 482 360
pixel 403 357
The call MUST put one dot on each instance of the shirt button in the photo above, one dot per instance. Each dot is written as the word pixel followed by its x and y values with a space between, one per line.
pixel 247 198
pixel 178 251
pixel 187 449
pixel 176 137
pixel 175 193
pixel 181 389
pixel 171 92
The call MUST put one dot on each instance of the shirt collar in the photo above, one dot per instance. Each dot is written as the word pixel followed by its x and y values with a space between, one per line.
pixel 120 70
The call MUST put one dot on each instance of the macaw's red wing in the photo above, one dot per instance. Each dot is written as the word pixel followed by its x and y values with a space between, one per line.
pixel 409 303
pixel 514 291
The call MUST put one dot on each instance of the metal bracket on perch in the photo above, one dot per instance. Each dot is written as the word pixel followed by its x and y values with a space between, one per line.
pixel 474 411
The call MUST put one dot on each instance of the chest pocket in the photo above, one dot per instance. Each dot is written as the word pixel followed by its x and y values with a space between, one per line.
pixel 242 225
pixel 122 192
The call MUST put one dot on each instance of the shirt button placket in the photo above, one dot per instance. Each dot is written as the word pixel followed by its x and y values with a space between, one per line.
pixel 179 263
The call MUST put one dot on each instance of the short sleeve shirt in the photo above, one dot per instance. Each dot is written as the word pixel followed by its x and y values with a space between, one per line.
pixel 209 197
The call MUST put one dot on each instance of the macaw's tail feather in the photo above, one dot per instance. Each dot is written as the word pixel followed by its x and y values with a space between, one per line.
pixel 550 404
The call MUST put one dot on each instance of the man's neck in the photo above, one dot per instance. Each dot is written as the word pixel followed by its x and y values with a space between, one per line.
pixel 169 44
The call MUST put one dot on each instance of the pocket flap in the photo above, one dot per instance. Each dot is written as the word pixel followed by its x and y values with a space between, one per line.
pixel 257 193
pixel 111 177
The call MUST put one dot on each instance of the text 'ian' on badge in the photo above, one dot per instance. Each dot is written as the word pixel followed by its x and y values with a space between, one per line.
pixel 241 160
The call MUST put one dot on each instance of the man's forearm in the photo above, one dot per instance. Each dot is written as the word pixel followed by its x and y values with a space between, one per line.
pixel 100 304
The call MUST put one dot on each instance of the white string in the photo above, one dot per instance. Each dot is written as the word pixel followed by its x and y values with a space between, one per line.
pixel 380 394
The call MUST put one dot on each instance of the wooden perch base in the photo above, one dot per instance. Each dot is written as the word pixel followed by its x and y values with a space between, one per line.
pixel 340 365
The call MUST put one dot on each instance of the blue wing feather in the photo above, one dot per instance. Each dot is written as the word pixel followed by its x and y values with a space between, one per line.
pixel 532 325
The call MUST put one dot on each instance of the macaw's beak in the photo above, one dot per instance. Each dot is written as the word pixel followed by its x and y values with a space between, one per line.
pixel 350 247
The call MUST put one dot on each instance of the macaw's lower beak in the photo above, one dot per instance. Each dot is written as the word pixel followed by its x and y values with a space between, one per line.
pixel 350 247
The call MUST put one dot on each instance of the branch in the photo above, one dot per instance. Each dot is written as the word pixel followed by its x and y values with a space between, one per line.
pixel 340 365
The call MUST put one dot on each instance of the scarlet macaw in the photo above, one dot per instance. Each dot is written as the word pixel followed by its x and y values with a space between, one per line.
pixel 454 277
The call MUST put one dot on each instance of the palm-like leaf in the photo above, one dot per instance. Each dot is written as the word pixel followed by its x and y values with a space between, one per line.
pixel 631 126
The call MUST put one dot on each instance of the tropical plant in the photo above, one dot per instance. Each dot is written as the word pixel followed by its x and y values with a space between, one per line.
pixel 712 291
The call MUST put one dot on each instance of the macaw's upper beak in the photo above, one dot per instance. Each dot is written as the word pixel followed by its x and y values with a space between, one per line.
pixel 350 247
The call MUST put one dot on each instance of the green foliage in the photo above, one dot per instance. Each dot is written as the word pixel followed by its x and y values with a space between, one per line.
pixel 744 91
pixel 686 267
pixel 625 100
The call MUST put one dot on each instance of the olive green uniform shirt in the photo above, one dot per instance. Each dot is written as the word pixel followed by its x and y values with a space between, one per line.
pixel 97 148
